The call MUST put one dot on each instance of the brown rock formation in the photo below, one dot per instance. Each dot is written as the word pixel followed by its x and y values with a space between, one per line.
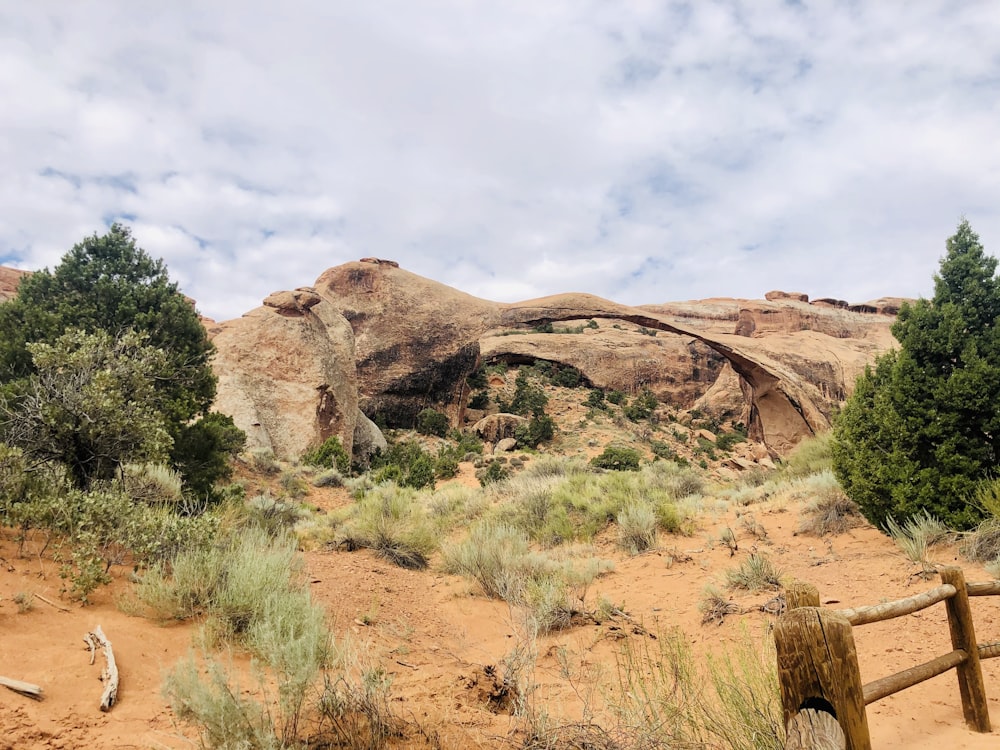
pixel 371 334
pixel 287 374
pixel 9 279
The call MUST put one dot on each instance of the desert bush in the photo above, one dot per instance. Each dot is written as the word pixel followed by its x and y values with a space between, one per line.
pixel 641 407
pixel 916 535
pixel 498 558
pixel 830 513
pixel 432 422
pixel 637 524
pixel 406 464
pixel 811 456
pixel 755 573
pixel 328 478
pixel 293 484
pixel 329 454
pixel 262 461
pixel 391 521
pixel 661 699
pixel 539 429
pixel 567 377
pixel 479 400
pixel 275 516
pixel 278 623
pixel 617 459
pixel 151 483
pixel 494 473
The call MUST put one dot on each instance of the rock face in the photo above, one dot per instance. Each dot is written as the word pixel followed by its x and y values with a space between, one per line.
pixel 372 336
pixel 415 339
pixel 287 374
pixel 9 279
pixel 780 365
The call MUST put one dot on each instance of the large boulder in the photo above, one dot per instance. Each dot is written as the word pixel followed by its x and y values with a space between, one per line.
pixel 287 374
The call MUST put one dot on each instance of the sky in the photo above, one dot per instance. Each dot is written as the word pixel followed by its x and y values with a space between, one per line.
pixel 641 151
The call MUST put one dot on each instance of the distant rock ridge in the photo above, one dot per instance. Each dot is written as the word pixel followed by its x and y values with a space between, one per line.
pixel 370 338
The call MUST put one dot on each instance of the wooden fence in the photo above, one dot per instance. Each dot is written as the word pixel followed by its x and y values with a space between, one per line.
pixel 823 698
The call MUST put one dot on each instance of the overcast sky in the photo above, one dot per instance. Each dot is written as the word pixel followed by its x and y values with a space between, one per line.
pixel 642 151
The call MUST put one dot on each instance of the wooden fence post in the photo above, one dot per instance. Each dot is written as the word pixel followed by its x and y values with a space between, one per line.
pixel 800 594
pixel 963 636
pixel 818 666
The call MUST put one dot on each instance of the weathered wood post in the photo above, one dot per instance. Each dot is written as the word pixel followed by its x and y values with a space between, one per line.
pixel 801 594
pixel 963 636
pixel 818 666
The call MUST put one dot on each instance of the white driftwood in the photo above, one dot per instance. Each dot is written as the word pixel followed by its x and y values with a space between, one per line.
pixel 24 688
pixel 109 676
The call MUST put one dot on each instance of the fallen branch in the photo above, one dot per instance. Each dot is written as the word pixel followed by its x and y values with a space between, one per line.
pixel 24 688
pixel 109 676
pixel 51 603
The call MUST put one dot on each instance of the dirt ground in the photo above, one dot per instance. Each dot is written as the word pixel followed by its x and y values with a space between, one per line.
pixel 437 637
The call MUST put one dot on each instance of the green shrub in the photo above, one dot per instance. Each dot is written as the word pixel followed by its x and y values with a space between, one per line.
pixel 726 441
pixel 567 377
pixel 616 397
pixel 637 524
pixel 755 573
pixel 263 461
pixel 529 398
pixel 539 429
pixel 391 521
pixel 617 459
pixel 330 454
pixel 642 406
pixel 152 483
pixel 406 463
pixel 495 472
pixel 432 422
pixel 595 399
pixel 479 400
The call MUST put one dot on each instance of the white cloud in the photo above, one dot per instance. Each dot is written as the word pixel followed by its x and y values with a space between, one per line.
pixel 642 151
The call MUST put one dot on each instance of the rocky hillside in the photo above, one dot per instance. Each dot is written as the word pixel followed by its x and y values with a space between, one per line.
pixel 372 341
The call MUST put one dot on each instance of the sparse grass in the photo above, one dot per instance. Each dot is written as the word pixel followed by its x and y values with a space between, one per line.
pixel 983 544
pixel 263 461
pixel 755 573
pixel 392 521
pixel 663 700
pixel 637 524
pixel 830 513
pixel 811 456
pixel 715 607
pixel 916 535
pixel 497 556
pixel 25 601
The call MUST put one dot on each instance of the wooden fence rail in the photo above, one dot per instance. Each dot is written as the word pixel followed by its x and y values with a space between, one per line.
pixel 818 662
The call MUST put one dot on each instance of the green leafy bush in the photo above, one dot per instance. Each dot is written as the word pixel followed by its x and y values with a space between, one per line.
pixel 432 422
pixel 495 472
pixel 567 377
pixel 479 400
pixel 617 459
pixel 330 454
pixel 406 463
pixel 539 429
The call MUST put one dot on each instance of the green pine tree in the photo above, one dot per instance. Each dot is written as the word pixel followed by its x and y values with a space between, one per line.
pixel 921 428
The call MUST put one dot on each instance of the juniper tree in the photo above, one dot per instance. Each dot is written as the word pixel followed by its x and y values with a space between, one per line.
pixel 922 426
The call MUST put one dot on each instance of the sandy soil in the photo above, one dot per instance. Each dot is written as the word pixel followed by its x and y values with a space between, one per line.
pixel 436 636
